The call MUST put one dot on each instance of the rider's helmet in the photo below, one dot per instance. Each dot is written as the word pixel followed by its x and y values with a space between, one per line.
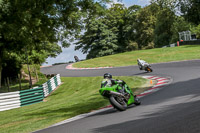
pixel 138 59
pixel 107 75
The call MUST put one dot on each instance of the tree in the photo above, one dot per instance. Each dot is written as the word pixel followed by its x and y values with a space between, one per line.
pixel 11 66
pixel 169 23
pixel 27 23
pixel 163 29
pixel 104 33
pixel 171 4
pixel 179 25
pixel 116 17
pixel 98 40
pixel 196 30
pixel 129 28
pixel 109 32
pixel 190 10
pixel 145 24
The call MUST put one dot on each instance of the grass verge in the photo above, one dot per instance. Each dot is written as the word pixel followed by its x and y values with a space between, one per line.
pixel 156 55
pixel 75 96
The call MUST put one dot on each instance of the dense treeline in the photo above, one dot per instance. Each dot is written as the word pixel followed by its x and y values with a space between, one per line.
pixel 119 29
pixel 30 30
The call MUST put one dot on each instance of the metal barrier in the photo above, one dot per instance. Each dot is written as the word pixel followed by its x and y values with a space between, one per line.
pixel 9 100
pixel 31 96
pixel 190 42
pixel 17 99
pixel 51 84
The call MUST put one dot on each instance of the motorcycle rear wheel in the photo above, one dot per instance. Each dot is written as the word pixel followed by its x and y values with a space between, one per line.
pixel 118 103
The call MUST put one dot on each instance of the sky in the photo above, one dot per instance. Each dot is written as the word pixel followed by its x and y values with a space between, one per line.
pixel 128 3
pixel 69 53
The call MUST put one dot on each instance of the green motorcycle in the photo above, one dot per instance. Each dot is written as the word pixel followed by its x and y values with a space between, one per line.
pixel 119 99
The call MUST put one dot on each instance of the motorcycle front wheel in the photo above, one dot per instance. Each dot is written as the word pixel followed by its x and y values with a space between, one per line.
pixel 149 69
pixel 137 101
pixel 118 103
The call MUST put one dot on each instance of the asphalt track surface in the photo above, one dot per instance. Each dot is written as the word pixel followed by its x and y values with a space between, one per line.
pixel 173 109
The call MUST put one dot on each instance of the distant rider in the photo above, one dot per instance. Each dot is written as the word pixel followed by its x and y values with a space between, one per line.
pixel 142 63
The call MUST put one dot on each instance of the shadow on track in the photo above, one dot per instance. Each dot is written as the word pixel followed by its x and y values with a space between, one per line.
pixel 175 112
pixel 141 73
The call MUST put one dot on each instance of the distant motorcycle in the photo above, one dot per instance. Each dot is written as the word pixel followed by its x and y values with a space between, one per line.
pixel 148 69
pixel 143 65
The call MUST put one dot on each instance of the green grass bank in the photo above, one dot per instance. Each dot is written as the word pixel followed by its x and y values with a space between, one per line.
pixel 75 96
pixel 156 55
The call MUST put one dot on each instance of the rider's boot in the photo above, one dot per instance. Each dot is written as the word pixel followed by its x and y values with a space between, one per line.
pixel 137 101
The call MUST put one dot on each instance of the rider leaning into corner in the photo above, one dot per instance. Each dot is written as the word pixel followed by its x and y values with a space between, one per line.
pixel 108 81
pixel 142 63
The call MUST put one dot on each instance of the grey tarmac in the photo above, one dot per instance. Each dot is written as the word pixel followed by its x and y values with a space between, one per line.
pixel 173 109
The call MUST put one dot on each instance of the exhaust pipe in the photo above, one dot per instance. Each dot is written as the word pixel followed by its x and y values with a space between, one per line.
pixel 116 93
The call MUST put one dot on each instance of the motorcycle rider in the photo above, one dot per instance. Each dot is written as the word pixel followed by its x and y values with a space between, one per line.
pixel 108 81
pixel 142 63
